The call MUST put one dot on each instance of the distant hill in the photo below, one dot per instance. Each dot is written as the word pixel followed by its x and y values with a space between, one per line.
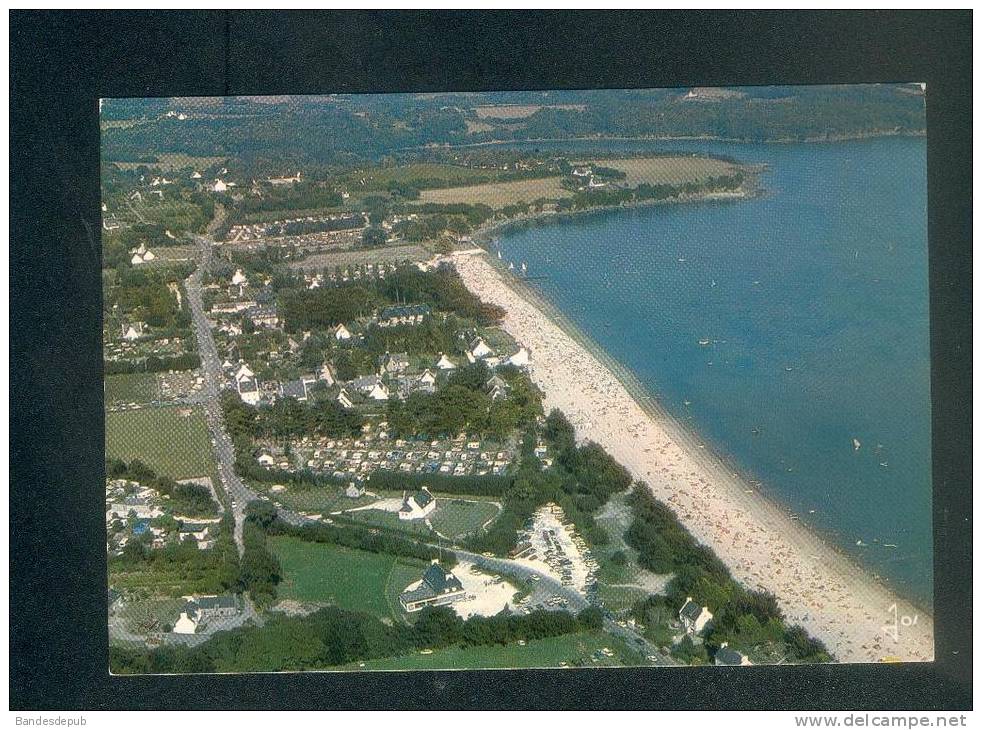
pixel 341 130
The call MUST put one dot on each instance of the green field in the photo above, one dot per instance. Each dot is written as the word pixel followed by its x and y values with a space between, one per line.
pixel 131 388
pixel 429 174
pixel 574 649
pixel 498 194
pixel 669 170
pixel 351 579
pixel 323 500
pixel 453 518
pixel 172 441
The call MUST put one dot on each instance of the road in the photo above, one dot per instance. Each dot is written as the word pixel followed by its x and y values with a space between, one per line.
pixel 237 493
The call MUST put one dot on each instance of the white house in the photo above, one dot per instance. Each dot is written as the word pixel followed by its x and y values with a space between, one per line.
pixel 203 608
pixel 244 372
pixel 195 175
pixel 327 374
pixel 694 617
pixel 479 348
pixel 238 278
pixel 341 333
pixel 284 180
pixel 344 399
pixel 445 363
pixel 266 460
pixel 133 331
pixel 136 260
pixel 380 391
pixel 418 505
pixel 520 359
pixel 219 187
pixel 353 491
pixel 185 624
pixel 496 388
pixel 427 379
pixel 149 256
pixel 247 385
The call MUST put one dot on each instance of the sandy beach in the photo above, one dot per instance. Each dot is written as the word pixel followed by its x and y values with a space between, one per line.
pixel 817 586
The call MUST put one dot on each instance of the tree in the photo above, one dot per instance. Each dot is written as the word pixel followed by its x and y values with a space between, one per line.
pixel 373 236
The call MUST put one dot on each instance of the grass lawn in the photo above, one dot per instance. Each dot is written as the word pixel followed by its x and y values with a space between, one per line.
pixel 574 649
pixel 169 161
pixel 454 517
pixel 351 579
pixel 499 194
pixel 323 500
pixel 669 170
pixel 141 616
pixel 131 388
pixel 394 254
pixel 172 581
pixel 172 441
pixel 432 174
pixel 621 597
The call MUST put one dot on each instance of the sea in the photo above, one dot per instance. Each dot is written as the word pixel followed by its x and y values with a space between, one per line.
pixel 789 330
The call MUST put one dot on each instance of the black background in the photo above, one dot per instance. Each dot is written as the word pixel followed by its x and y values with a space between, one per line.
pixel 61 63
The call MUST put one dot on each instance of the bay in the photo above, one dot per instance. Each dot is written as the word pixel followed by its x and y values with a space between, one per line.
pixel 780 328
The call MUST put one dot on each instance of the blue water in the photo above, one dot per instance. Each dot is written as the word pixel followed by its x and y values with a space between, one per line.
pixel 826 274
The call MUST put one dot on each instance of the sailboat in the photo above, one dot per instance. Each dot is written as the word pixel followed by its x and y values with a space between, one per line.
pixel 856 444
pixel 511 266
pixel 499 254
pixel 525 268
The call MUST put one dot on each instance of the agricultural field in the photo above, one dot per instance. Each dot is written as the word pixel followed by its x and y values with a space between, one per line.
pixel 320 499
pixel 457 518
pixel 166 162
pixel 171 580
pixel 669 170
pixel 519 111
pixel 499 194
pixel 429 174
pixel 574 649
pixel 355 580
pixel 131 388
pixel 453 518
pixel 174 214
pixel 172 441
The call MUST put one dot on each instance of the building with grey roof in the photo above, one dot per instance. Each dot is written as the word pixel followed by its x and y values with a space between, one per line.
pixel 437 588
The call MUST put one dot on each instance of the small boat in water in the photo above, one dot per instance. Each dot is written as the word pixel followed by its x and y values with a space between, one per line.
pixel 511 266
pixel 703 342
pixel 525 268
pixel 856 444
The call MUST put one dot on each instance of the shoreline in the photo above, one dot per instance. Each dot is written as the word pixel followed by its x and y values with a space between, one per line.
pixel 816 584
pixel 855 137
pixel 486 231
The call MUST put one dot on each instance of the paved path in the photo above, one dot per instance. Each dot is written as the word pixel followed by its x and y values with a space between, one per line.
pixel 575 600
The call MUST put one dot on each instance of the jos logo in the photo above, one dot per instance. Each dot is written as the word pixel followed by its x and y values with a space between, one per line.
pixel 899 621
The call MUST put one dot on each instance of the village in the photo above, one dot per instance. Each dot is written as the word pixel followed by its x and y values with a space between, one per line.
pixel 362 389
